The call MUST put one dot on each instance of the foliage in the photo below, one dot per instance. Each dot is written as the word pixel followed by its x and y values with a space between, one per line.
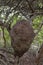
pixel 39 37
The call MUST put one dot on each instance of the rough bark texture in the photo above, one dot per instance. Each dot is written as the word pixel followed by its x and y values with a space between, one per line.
pixel 28 58
pixel 8 59
pixel 39 59
pixel 22 36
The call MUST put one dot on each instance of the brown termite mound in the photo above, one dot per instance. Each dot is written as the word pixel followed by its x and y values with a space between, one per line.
pixel 22 35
